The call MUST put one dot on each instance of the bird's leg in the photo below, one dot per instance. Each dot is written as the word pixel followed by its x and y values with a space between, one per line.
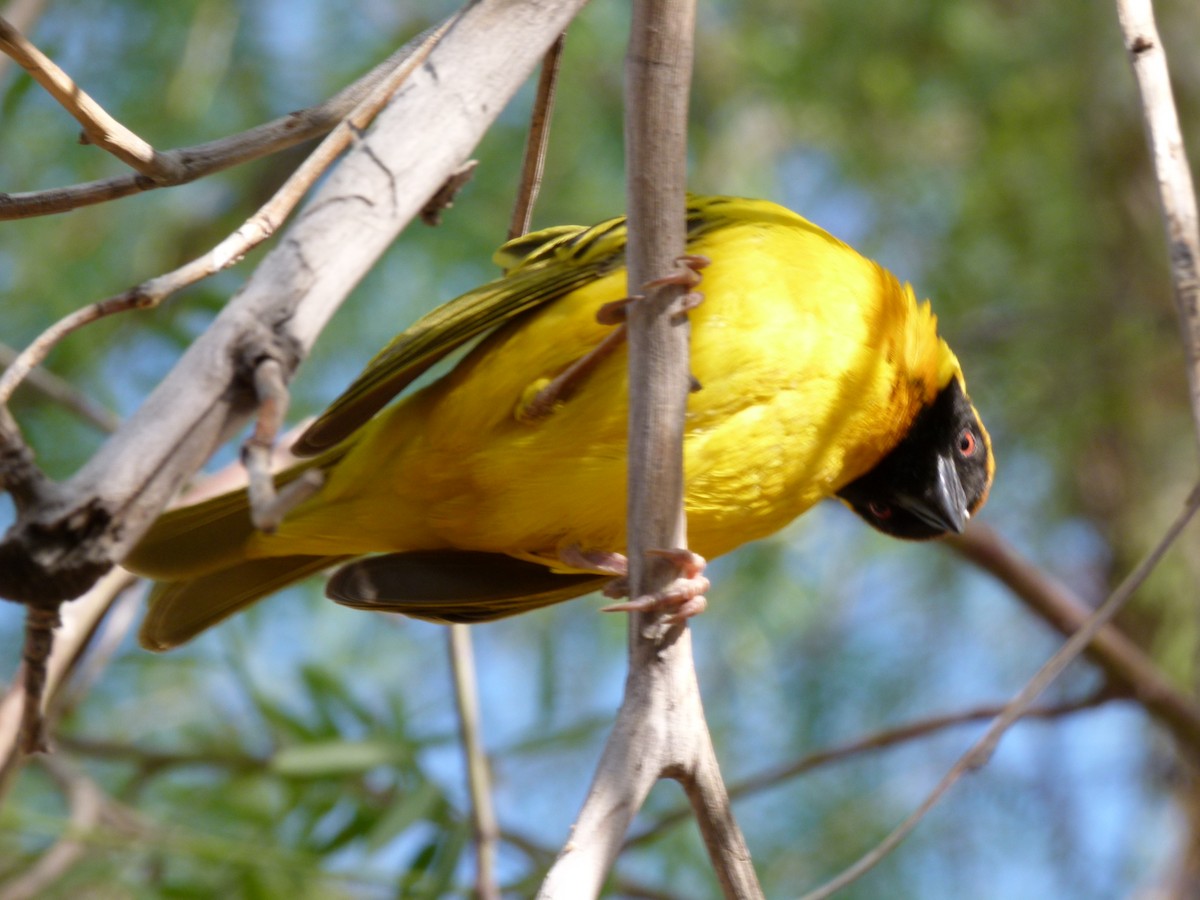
pixel 562 386
pixel 682 598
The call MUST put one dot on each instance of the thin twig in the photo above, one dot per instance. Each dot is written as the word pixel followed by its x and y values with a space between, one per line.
pixel 63 392
pixel 1126 666
pixel 1173 174
pixel 981 751
pixel 79 624
pixel 880 740
pixel 252 232
pixel 479 781
pixel 207 158
pixel 537 141
pixel 100 128
pixel 35 658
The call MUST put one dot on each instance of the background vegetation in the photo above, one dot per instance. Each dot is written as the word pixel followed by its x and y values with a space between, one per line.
pixel 989 151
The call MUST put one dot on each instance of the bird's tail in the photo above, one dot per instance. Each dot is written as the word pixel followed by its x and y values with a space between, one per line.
pixel 179 610
pixel 199 557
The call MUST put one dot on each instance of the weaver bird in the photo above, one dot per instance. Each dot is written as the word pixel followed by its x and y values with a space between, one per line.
pixel 496 490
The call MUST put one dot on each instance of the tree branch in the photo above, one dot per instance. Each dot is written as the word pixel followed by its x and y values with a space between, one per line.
pixel 99 127
pixel 1174 177
pixel 1127 668
pixel 73 534
pixel 479 778
pixel 660 729
pixel 880 740
pixel 191 163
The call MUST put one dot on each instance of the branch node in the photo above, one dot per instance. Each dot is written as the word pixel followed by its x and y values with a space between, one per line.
pixel 443 199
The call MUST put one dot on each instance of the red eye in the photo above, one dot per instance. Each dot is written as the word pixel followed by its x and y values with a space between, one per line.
pixel 880 511
pixel 966 443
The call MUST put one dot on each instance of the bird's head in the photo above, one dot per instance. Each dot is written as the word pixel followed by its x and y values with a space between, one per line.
pixel 935 479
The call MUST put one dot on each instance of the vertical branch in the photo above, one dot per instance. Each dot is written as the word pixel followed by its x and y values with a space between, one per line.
pixel 483 814
pixel 1175 189
pixel 660 730
pixel 658 80
pixel 658 73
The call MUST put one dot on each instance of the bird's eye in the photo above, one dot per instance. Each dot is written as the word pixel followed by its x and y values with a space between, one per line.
pixel 879 510
pixel 966 443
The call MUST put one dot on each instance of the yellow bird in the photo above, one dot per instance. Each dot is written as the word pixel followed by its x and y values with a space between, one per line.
pixel 819 376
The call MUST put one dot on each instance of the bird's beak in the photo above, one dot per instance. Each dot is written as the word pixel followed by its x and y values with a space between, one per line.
pixel 944 505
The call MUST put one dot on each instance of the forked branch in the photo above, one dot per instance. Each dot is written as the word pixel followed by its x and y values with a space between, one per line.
pixel 660 730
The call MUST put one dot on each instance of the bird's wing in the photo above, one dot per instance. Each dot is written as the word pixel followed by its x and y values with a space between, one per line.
pixel 543 267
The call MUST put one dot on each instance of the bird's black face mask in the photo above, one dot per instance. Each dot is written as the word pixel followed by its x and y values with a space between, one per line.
pixel 934 479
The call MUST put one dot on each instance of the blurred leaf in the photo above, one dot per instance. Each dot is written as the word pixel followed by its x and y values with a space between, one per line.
pixel 331 758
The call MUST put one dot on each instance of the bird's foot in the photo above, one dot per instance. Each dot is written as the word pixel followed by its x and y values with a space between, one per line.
pixel 682 598
pixel 686 273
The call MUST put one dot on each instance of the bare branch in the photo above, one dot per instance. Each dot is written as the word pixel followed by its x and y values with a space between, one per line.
pixel 1175 189
pixel 100 128
pixel 1126 666
pixel 205 159
pixel 660 730
pixel 271 391
pixel 981 751
pixel 479 779
pixel 536 141
pixel 79 623
pixel 880 740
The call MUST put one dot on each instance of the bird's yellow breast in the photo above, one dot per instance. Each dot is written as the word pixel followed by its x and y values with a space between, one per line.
pixel 812 361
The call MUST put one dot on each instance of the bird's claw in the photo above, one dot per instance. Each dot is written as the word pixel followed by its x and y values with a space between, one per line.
pixel 686 273
pixel 682 598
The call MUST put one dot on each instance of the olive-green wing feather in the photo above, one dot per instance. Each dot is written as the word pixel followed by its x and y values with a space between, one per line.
pixel 180 610
pixel 545 266
pixel 454 585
